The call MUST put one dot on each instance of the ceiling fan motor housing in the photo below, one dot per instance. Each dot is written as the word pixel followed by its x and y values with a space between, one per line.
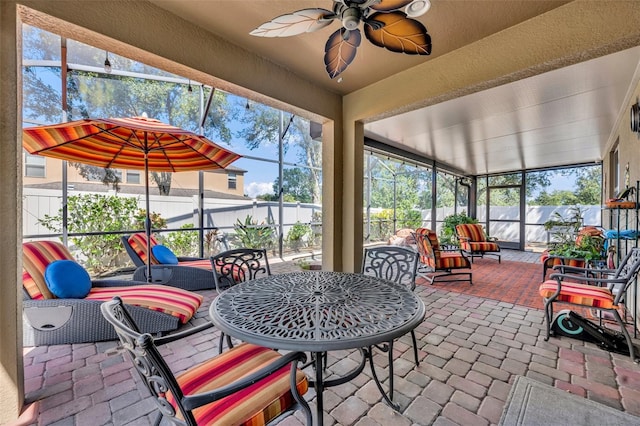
pixel 351 18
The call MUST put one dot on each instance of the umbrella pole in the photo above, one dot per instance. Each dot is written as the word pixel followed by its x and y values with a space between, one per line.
pixel 147 221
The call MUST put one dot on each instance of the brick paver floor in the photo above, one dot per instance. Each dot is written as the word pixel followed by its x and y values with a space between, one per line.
pixel 471 349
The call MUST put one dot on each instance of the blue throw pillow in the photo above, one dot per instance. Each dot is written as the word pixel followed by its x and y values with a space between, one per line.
pixel 164 255
pixel 66 279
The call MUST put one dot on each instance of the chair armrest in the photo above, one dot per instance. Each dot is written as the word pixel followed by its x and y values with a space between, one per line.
pixel 587 279
pixel 182 334
pixel 193 401
pixel 115 283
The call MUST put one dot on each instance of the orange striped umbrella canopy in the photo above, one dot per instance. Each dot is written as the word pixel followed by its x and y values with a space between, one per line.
pixel 127 143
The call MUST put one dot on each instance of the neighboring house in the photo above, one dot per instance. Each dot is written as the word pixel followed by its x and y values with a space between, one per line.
pixel 40 171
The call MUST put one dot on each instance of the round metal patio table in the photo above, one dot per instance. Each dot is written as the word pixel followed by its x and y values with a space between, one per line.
pixel 319 312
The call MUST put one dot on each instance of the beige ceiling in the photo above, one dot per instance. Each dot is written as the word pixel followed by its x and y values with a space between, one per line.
pixel 561 117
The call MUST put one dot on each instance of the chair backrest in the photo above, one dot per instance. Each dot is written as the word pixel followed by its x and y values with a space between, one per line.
pixel 628 271
pixel 394 263
pixel 473 231
pixel 154 371
pixel 136 247
pixel 428 246
pixel 36 256
pixel 239 265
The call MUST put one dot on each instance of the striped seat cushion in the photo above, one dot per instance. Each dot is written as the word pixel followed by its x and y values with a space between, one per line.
pixel 254 406
pixel 176 302
pixel 452 260
pixel 36 256
pixel 578 294
pixel 483 246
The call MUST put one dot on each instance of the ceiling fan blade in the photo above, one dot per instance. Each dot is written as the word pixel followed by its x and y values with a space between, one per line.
pixel 389 5
pixel 302 21
pixel 399 33
pixel 340 50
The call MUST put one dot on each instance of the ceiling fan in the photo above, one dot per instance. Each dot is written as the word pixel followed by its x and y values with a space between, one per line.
pixel 385 25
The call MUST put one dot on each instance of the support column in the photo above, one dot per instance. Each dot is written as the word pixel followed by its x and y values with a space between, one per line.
pixel 11 364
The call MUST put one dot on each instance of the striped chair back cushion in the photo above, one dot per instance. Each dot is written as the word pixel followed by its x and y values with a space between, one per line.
pixel 273 393
pixel 138 243
pixel 428 246
pixel 472 231
pixel 36 256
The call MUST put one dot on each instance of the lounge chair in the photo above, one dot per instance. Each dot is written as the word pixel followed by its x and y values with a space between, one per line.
pixel 189 273
pixel 51 320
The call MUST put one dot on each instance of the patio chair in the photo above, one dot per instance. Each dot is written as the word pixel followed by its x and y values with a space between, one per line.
pixel 246 385
pixel 397 264
pixel 61 304
pixel 189 273
pixel 602 289
pixel 474 241
pixel 237 266
pixel 440 264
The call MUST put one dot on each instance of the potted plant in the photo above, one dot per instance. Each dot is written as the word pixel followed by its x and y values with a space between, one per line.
pixel 448 232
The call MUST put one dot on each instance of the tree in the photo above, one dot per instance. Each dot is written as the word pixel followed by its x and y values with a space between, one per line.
pixel 261 127
pixel 296 185
pixel 92 94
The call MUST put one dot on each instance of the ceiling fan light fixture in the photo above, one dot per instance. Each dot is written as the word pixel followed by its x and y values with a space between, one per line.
pixel 417 8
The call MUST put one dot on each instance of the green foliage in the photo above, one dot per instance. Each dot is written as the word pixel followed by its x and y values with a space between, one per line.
pixel 381 225
pixel 589 248
pixel 573 221
pixel 297 233
pixel 448 232
pixel 250 234
pixel 183 243
pixel 157 221
pixel 296 185
pixel 409 219
pixel 96 213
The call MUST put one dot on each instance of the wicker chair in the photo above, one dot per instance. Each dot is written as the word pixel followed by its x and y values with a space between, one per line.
pixel 237 266
pixel 440 264
pixel 397 264
pixel 474 241
pixel 246 385
pixel 191 273
pixel 601 289
pixel 53 321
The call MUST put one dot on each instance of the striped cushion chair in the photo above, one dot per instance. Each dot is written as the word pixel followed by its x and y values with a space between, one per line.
pixel 50 320
pixel 440 264
pixel 602 289
pixel 191 273
pixel 247 385
pixel 474 241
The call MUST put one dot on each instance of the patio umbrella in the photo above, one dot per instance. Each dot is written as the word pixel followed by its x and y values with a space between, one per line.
pixel 128 143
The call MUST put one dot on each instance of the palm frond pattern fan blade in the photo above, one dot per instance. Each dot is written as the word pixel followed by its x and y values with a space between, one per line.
pixel 340 50
pixel 399 34
pixel 302 21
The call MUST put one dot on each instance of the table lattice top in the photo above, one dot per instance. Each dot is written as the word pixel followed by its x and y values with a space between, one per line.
pixel 317 311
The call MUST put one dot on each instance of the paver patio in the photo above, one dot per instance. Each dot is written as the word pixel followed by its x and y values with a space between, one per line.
pixel 471 350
